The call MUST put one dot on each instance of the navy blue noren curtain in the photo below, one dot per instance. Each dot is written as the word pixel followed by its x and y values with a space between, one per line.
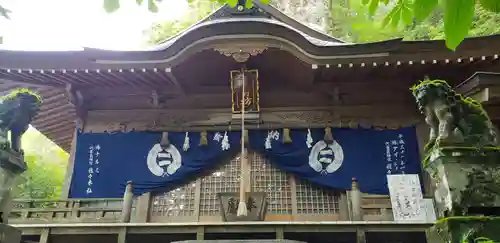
pixel 365 154
pixel 105 162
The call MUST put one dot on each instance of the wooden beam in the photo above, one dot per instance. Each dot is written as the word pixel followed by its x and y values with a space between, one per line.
pixel 174 80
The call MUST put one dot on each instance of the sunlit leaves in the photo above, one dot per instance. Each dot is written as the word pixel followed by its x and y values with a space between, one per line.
pixel 457 18
pixel 152 6
pixel 373 6
pixel 111 5
pixel 458 15
pixel 232 3
pixel 248 4
pixel 423 8
pixel 394 16
pixel 406 13
pixel 491 5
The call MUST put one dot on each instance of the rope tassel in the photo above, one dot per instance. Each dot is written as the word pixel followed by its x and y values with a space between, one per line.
pixel 164 142
pixel 203 138
pixel 328 135
pixel 286 136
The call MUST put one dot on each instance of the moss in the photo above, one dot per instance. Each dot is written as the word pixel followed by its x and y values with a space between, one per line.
pixel 467 100
pixel 463 108
pixel 464 229
pixel 19 92
pixel 465 149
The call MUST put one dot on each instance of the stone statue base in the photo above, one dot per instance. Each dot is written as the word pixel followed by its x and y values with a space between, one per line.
pixel 11 165
pixel 12 161
pixel 466 229
pixel 9 234
pixel 467 181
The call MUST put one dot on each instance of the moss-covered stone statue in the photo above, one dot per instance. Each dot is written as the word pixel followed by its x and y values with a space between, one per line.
pixel 463 159
pixel 17 110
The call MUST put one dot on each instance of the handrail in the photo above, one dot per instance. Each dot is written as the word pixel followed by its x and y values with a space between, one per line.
pixel 68 200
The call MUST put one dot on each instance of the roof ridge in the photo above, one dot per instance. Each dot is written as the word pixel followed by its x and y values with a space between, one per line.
pixel 271 11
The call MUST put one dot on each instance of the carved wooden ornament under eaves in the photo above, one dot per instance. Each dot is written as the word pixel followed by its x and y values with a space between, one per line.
pixel 240 53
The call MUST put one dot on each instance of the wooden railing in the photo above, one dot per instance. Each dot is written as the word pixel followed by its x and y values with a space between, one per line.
pixel 361 207
pixel 71 210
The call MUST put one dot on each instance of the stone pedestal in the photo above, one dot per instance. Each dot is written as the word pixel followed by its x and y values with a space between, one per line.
pixel 11 165
pixel 467 229
pixel 9 234
pixel 12 161
pixel 467 181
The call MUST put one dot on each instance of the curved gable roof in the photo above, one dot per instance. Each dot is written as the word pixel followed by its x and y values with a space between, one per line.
pixel 260 12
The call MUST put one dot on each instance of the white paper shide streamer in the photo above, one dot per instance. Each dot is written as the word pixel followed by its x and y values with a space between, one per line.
pixel 217 136
pixel 186 146
pixel 225 142
pixel 309 139
pixel 271 135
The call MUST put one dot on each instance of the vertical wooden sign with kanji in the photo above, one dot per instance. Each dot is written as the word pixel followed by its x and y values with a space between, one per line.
pixel 249 78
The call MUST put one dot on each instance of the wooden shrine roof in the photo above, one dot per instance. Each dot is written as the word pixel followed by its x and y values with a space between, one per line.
pixel 196 62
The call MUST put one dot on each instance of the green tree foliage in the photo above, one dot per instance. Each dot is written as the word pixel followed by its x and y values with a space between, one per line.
pixel 458 15
pixel 348 20
pixel 198 9
pixel 46 168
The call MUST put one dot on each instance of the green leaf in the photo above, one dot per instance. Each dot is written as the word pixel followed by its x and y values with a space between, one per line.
pixel 248 4
pixel 373 6
pixel 111 5
pixel 397 16
pixel 458 15
pixel 264 1
pixel 232 3
pixel 139 2
pixel 365 2
pixel 152 6
pixel 422 8
pixel 491 5
pixel 385 2
pixel 407 14
pixel 389 16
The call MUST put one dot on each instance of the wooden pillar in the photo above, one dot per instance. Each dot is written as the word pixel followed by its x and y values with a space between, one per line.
pixel 45 235
pixel 128 198
pixel 343 206
pixel 360 236
pixel 280 233
pixel 122 235
pixel 293 191
pixel 70 167
pixel 142 208
pixel 197 199
pixel 357 214
pixel 200 233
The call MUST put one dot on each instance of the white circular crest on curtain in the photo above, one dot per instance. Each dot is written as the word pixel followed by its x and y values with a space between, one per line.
pixel 326 158
pixel 164 161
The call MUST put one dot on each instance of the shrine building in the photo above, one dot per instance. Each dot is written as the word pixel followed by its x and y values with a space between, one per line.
pixel 245 104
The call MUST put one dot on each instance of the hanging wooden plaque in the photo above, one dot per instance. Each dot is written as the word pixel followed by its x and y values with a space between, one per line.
pixel 251 94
